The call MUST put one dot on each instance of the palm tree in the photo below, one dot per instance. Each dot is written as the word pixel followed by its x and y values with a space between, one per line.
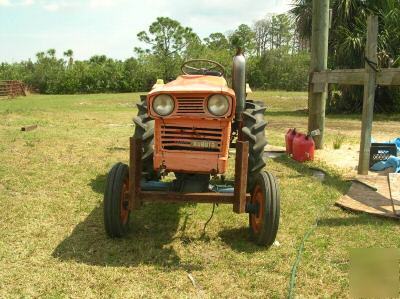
pixel 69 54
pixel 40 55
pixel 302 16
pixel 51 53
pixel 347 38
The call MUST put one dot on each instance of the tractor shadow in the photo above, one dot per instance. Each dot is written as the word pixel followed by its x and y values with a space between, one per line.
pixel 238 239
pixel 98 184
pixel 152 230
pixel 329 179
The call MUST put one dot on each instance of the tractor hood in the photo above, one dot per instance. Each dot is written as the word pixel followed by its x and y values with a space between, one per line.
pixel 194 84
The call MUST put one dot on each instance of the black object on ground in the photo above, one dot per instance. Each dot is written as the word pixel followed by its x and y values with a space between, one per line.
pixel 29 128
pixel 381 152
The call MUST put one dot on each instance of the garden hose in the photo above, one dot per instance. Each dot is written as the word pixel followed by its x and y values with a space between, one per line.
pixel 292 283
pixel 209 219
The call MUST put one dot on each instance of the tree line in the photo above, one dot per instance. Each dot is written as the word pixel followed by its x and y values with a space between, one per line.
pixel 277 48
pixel 277 59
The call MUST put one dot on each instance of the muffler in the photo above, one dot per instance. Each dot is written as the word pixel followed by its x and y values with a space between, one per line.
pixel 239 82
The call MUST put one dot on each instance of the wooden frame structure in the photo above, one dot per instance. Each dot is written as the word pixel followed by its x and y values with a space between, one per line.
pixel 11 88
pixel 320 77
pixel 239 198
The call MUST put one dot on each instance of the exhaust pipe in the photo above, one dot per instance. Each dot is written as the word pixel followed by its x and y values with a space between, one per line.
pixel 239 82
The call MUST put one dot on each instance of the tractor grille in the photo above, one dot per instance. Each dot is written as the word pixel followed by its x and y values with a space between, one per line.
pixel 178 138
pixel 190 106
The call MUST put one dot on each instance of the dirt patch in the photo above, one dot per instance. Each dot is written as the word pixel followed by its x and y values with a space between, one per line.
pixel 345 158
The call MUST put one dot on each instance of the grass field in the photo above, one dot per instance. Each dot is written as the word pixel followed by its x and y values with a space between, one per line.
pixel 52 242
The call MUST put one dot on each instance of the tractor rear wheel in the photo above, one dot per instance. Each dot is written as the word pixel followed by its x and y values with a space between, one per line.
pixel 116 201
pixel 264 218
pixel 254 132
pixel 144 129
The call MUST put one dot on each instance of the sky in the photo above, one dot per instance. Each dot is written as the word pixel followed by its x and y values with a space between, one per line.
pixel 109 27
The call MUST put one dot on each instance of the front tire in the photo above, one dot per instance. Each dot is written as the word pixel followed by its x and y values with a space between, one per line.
pixel 264 221
pixel 116 201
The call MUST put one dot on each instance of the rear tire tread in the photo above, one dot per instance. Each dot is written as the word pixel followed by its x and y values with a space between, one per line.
pixel 254 132
pixel 144 129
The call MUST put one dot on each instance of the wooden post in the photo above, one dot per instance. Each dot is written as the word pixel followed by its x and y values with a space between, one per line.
pixel 135 172
pixel 241 167
pixel 319 61
pixel 369 94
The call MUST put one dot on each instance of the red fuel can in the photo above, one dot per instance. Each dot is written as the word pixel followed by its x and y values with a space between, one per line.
pixel 303 147
pixel 291 133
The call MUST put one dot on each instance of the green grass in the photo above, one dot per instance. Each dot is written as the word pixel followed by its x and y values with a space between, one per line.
pixel 52 242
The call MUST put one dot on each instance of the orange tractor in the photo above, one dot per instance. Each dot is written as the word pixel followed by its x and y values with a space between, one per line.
pixel 187 127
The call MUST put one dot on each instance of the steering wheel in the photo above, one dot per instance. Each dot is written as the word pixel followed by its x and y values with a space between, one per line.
pixel 215 68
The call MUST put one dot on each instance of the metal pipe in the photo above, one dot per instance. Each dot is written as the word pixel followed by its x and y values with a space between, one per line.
pixel 239 82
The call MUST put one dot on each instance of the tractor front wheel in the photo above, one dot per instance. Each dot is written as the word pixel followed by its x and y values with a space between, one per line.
pixel 265 209
pixel 116 201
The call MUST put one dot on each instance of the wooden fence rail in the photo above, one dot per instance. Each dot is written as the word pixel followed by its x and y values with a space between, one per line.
pixel 370 77
pixel 12 88
pixel 354 77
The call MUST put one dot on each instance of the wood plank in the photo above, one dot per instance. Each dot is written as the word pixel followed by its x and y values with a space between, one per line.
pixel 177 197
pixel 369 94
pixel 362 198
pixel 385 77
pixel 394 181
pixel 388 77
pixel 394 189
pixel 344 77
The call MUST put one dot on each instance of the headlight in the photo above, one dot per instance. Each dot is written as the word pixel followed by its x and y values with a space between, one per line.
pixel 163 104
pixel 218 104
